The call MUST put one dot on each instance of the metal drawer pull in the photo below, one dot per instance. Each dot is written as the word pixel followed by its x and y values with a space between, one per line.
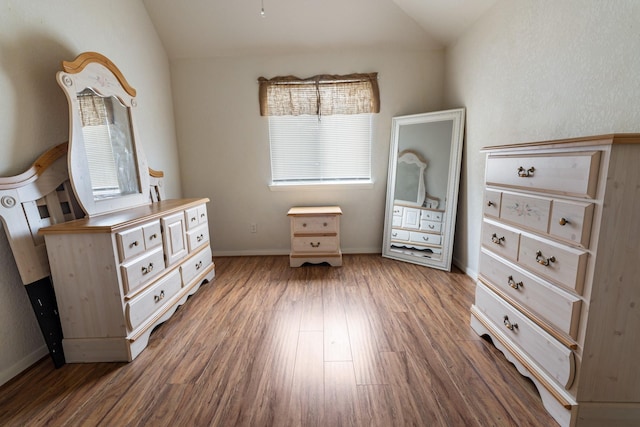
pixel 153 236
pixel 510 326
pixel 394 234
pixel 200 238
pixel 542 260
pixel 513 283
pixel 199 265
pixel 525 173
pixel 490 203
pixel 432 226
pixel 564 221
pixel 201 215
pixel 314 245
pixel 133 244
pixel 158 298
pixel 497 240
pixel 147 269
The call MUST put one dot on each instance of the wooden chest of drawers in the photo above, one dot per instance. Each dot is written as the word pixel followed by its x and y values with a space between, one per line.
pixel 117 276
pixel 315 235
pixel 558 289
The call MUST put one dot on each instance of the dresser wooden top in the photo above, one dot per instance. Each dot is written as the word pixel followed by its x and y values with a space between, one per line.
pixel 116 221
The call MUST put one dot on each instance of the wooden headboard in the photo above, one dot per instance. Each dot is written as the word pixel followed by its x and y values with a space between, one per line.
pixel 42 196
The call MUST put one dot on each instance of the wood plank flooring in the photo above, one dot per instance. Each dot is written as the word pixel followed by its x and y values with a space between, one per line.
pixel 375 342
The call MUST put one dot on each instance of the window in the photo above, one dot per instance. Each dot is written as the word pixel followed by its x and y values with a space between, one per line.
pixel 320 128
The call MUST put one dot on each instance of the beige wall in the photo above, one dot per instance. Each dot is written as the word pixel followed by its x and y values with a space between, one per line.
pixel 35 36
pixel 540 70
pixel 224 143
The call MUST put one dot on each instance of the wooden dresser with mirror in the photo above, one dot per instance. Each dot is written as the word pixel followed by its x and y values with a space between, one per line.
pixel 121 257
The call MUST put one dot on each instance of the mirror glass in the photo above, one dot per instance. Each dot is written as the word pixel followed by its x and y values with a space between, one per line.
pixel 108 145
pixel 422 187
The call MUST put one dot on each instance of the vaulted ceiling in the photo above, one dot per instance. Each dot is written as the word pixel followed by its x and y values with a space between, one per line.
pixel 210 28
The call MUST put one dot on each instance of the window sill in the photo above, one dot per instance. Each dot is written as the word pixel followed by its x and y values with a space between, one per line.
pixel 343 185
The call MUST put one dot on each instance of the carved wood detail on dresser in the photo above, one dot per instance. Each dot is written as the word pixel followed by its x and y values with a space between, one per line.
pixel 558 274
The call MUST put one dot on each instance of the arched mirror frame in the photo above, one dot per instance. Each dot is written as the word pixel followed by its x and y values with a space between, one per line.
pixel 449 204
pixel 94 71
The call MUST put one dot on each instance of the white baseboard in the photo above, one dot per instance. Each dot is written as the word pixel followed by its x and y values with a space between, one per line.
pixel 275 252
pixel 469 272
pixel 22 364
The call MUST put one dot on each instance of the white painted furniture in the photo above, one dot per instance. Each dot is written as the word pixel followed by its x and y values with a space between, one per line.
pixel 315 235
pixel 119 275
pixel 559 272
pixel 417 231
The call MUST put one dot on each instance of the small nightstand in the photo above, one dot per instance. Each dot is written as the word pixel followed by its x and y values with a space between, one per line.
pixel 315 235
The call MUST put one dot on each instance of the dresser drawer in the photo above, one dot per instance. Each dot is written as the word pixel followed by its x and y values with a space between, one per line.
pixel 571 221
pixel 492 201
pixel 562 173
pixel 431 215
pixel 500 240
pixel 559 308
pixel 152 235
pixel 411 218
pixel 195 216
pixel 130 243
pixel 397 210
pixel 195 266
pixel 197 237
pixel 315 224
pixel 144 305
pixel 433 226
pixel 556 359
pixel 141 270
pixel 425 238
pixel 527 211
pixel 315 244
pixel 399 234
pixel 560 264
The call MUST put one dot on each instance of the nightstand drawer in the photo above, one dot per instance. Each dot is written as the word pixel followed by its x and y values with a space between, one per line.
pixel 315 224
pixel 313 244
pixel 556 359
pixel 548 301
pixel 563 173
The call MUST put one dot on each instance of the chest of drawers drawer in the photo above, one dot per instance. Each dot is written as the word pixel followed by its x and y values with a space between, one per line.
pixel 144 305
pixel 561 173
pixel 553 305
pixel 556 359
pixel 558 263
pixel 491 204
pixel 500 239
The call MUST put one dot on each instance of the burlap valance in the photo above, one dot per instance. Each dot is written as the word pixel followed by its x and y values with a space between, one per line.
pixel 319 95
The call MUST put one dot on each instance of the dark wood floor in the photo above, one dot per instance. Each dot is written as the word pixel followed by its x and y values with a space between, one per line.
pixel 376 342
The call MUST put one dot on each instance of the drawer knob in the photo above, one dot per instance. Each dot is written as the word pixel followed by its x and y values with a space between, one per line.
pixel 564 221
pixel 544 261
pixel 158 298
pixel 324 224
pixel 510 326
pixel 497 240
pixel 133 244
pixel 513 283
pixel 315 245
pixel 490 203
pixel 525 173
pixel 147 269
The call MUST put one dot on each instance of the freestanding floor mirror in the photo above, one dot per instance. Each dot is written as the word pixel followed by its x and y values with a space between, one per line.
pixel 422 187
